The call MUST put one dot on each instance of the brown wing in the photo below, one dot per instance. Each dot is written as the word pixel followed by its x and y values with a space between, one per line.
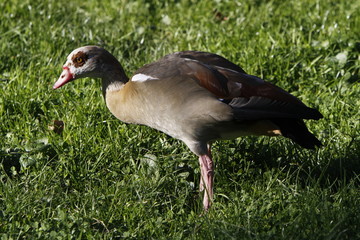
pixel 210 59
pixel 249 96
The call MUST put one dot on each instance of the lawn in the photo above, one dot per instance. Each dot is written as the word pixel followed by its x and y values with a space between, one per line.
pixel 103 179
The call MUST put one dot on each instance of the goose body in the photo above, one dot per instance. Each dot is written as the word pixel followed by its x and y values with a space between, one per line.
pixel 196 97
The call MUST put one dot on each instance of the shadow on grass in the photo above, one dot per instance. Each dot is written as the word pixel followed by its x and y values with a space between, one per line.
pixel 307 165
pixel 14 160
pixel 10 161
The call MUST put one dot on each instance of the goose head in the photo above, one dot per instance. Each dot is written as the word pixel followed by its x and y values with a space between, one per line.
pixel 88 61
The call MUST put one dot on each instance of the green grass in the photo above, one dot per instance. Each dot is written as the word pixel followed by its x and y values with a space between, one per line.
pixel 102 179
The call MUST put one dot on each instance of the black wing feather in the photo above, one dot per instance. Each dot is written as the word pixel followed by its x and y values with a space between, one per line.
pixel 264 108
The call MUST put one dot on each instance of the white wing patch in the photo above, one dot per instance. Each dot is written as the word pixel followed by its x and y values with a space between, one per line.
pixel 142 78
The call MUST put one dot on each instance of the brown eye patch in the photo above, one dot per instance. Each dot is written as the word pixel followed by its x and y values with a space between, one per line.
pixel 79 59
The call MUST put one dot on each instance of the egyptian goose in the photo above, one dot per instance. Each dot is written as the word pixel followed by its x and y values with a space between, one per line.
pixel 196 97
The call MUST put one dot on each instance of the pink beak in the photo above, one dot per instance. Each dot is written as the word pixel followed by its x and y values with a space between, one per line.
pixel 64 78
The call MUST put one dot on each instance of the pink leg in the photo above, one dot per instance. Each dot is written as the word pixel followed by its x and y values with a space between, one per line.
pixel 207 173
pixel 201 185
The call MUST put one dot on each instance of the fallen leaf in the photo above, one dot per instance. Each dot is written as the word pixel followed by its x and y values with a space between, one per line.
pixel 57 127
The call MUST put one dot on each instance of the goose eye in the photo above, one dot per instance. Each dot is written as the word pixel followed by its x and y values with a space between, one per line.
pixel 79 60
